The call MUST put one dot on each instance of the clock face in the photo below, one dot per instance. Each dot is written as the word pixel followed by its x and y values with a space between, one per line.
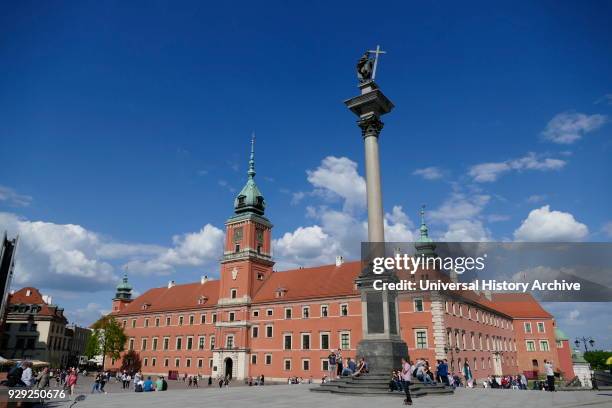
pixel 260 236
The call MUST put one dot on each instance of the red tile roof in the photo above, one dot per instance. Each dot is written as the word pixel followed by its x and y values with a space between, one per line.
pixel 310 283
pixel 519 305
pixel 178 297
pixel 34 298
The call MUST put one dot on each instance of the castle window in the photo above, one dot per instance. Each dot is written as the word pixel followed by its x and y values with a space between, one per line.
pixel 324 310
pixel 540 327
pixel 305 341
pixel 191 319
pixel 133 323
pixel 254 359
pixel 144 344
pixel 305 365
pixel 231 316
pixel 124 323
pixel 201 342
pixel 189 343
pixel 287 364
pixel 166 362
pixel 255 313
pixel 324 341
pixel 530 345
pixel 188 362
pixel 344 310
pixel 241 200
pixel 214 318
pixel 527 327
pixel 229 341
pixel 154 344
pixel 166 343
pixel 233 293
pixel 212 342
pixel 420 337
pixel 269 312
pixel 288 313
pixel 146 362
pixel 260 276
pixel 544 345
pixel 157 322
pixel 418 305
pixel 179 343
pixel 177 362
pixel 202 318
pixel 305 312
pixel 345 340
pixel 181 319
pixel 131 347
pixel 268 359
pixel 259 249
pixel 168 320
pixel 237 248
pixel 202 299
pixel 153 362
pixel 200 363
pixel 254 332
pixel 269 331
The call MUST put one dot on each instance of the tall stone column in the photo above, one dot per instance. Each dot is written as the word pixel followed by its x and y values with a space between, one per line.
pixel 381 342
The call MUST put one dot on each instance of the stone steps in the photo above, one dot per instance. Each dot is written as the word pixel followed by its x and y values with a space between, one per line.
pixel 377 385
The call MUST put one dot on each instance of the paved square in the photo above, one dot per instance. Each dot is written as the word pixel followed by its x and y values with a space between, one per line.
pixel 298 396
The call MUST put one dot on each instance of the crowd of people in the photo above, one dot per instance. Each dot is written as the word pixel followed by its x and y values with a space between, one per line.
pixel 23 374
pixel 339 367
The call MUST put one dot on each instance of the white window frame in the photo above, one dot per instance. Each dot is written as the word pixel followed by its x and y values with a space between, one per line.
pixel 267 359
pixel 307 310
pixel 416 339
pixel 306 360
pixel 328 334
pixel 543 327
pixel 340 339
pixel 271 326
pixel 285 335
pixel 290 310
pixel 201 342
pixel 547 345
pixel 326 308
pixel 527 345
pixel 414 305
pixel 342 306
pixel 527 324
pixel 227 341
pixel 285 361
pixel 302 335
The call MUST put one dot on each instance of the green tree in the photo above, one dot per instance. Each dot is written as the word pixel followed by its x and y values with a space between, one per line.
pixel 131 362
pixel 597 359
pixel 108 339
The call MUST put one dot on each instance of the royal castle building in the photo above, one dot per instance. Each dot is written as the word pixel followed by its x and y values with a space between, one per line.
pixel 254 320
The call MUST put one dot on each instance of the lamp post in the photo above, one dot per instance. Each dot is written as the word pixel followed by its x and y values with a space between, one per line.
pixel 585 341
pixel 452 351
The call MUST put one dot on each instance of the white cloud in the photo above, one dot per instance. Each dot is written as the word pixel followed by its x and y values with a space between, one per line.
pixel 466 231
pixel 569 127
pixel 488 172
pixel 191 249
pixel 335 232
pixel 337 177
pixel 60 256
pixel 13 198
pixel 544 225
pixel 460 206
pixel 87 315
pixel 429 173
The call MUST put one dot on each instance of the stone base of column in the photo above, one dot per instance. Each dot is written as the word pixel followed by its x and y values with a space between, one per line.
pixel 381 355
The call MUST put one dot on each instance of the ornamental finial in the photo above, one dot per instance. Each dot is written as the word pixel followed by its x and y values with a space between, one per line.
pixel 251 171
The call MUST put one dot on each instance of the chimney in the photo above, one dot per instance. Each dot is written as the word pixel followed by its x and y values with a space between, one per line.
pixel 171 284
pixel 339 260
pixel 487 294
pixel 203 279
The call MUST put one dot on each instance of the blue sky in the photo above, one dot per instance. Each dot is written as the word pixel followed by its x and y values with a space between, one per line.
pixel 125 131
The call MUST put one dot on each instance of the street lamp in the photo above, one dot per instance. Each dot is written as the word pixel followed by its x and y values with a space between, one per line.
pixel 452 351
pixel 585 341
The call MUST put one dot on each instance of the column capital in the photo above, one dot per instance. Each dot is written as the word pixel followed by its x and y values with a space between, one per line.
pixel 370 125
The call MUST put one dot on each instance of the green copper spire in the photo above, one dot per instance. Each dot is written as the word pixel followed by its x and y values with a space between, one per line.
pixel 124 289
pixel 424 245
pixel 251 171
pixel 250 198
pixel 424 230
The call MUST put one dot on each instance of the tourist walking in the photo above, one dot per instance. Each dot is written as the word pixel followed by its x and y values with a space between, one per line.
pixel 467 374
pixel 406 380
pixel 71 381
pixel 550 375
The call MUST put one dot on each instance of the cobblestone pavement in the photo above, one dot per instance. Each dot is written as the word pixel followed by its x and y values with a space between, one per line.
pixel 298 396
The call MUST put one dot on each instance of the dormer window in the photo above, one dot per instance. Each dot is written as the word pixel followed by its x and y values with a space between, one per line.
pixel 260 201
pixel 241 200
pixel 280 292
pixel 145 306
pixel 202 300
pixel 260 276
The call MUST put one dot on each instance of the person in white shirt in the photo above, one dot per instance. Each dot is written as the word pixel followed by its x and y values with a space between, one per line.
pixel 550 375
pixel 406 380
pixel 26 376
